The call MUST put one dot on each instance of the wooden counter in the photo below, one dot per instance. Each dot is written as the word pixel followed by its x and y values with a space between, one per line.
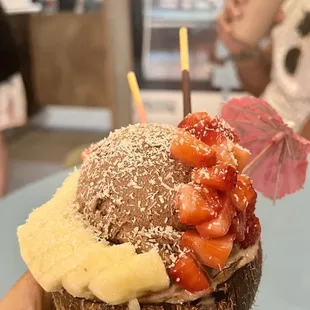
pixel 77 60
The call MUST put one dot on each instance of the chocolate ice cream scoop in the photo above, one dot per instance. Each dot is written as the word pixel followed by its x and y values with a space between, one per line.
pixel 127 188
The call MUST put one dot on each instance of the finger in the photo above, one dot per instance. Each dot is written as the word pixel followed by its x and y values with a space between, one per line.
pixel 223 28
pixel 232 11
pixel 48 302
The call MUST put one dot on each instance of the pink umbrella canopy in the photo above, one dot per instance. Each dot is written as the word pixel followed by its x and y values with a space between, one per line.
pixel 279 161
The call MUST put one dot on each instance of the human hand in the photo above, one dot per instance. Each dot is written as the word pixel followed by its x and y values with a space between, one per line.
pixel 234 10
pixel 25 295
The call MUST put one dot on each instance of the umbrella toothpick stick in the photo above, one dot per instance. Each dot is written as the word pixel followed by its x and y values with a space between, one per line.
pixel 186 81
pixel 135 91
pixel 275 141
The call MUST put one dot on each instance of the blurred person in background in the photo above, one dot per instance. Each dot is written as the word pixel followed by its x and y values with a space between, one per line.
pixel 12 93
pixel 279 73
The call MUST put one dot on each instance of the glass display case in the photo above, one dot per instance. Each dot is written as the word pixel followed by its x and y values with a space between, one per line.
pixel 155 30
pixel 160 47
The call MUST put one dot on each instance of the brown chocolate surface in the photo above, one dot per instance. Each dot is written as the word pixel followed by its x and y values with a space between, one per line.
pixel 127 188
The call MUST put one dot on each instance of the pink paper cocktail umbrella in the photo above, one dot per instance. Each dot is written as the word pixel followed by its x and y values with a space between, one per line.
pixel 279 155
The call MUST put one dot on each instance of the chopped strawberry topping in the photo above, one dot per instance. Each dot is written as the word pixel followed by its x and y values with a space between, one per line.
pixel 219 226
pixel 219 132
pixel 222 177
pixel 220 125
pixel 252 204
pixel 220 203
pixel 238 226
pixel 213 253
pixel 187 274
pixel 224 155
pixel 212 137
pixel 191 151
pixel 253 230
pixel 243 193
pixel 196 123
pixel 196 205
pixel 242 156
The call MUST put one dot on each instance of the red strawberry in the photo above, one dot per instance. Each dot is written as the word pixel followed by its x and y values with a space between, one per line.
pixel 187 274
pixel 219 132
pixel 224 155
pixel 252 204
pixel 242 156
pixel 196 205
pixel 210 252
pixel 220 125
pixel 243 193
pixel 219 226
pixel 253 231
pixel 222 177
pixel 191 151
pixel 238 227
pixel 196 123
pixel 212 137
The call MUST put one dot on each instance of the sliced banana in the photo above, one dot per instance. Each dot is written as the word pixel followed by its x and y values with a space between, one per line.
pixel 142 274
pixel 61 252
pixel 77 280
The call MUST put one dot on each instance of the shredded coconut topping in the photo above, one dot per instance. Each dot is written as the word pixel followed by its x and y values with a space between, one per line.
pixel 127 188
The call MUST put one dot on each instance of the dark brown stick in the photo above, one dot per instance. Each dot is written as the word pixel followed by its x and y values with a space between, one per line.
pixel 186 88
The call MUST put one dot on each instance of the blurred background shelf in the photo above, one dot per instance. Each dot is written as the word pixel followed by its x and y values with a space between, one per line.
pixel 26 10
pixel 74 68
pixel 21 6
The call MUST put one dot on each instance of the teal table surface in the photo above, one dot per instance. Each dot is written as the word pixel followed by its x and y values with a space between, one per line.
pixel 286 243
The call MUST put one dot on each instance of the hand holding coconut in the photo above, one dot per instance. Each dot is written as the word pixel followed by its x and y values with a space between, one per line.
pixel 27 294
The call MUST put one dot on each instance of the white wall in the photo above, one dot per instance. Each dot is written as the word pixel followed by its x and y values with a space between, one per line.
pixel 20 6
pixel 162 107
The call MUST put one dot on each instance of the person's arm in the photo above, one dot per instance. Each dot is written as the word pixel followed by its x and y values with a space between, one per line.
pixel 254 73
pixel 25 295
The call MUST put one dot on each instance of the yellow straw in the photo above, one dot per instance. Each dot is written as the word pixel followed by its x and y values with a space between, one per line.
pixel 135 91
pixel 184 48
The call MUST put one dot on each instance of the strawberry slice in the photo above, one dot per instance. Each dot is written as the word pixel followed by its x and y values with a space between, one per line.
pixel 213 253
pixel 196 123
pixel 252 204
pixel 196 205
pixel 243 193
pixel 219 132
pixel 238 227
pixel 187 274
pixel 219 226
pixel 191 151
pixel 212 137
pixel 224 155
pixel 242 156
pixel 220 125
pixel 252 232
pixel 222 177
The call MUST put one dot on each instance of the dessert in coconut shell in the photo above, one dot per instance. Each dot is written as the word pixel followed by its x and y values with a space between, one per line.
pixel 162 189
pixel 157 217
pixel 135 163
